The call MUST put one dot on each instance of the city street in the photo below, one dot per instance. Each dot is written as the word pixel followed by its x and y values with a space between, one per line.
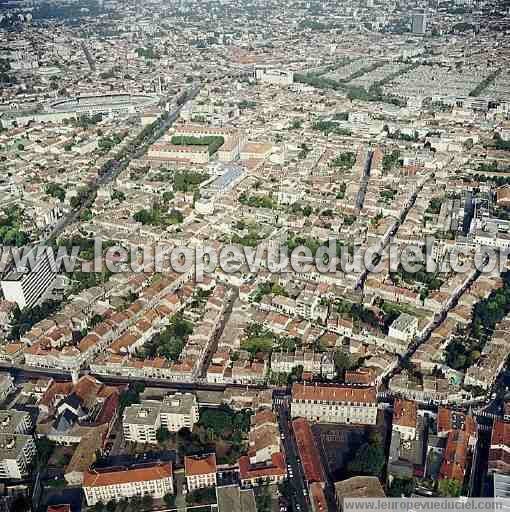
pixel 300 502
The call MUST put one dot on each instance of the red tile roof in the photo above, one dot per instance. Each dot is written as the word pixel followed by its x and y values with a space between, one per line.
pixel 263 470
pixel 310 458
pixel 59 508
pixel 500 434
pixel 124 476
pixel 318 497
pixel 333 393
pixel 200 465
pixel 405 413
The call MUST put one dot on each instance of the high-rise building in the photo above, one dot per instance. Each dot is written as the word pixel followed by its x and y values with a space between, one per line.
pixel 419 23
pixel 28 286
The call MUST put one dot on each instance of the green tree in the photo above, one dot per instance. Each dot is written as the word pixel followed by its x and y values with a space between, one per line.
pixel 54 190
pixel 263 499
pixel 169 500
pixel 147 502
pixel 45 449
pixel 401 487
pixel 450 488
pixel 368 460
pixel 162 435
pixel 343 361
pixel 111 506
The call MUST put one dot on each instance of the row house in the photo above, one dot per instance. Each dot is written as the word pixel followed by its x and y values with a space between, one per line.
pixel 312 362
pixel 157 368
pixel 264 436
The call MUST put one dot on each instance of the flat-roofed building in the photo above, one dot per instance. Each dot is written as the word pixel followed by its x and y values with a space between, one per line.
pixel 15 422
pixel 28 286
pixel 231 498
pixel 142 421
pixel 358 487
pixel 335 404
pixel 115 484
pixel 17 451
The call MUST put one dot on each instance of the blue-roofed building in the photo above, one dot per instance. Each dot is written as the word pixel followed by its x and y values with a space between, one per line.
pixel 227 180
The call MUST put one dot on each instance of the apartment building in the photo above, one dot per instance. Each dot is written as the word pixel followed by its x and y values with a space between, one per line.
pixel 116 484
pixel 17 448
pixel 200 471
pixel 404 328
pixel 405 414
pixel 271 471
pixel 274 76
pixel 312 362
pixel 27 288
pixel 15 422
pixel 142 421
pixel 335 404
pixel 6 385
pixel 264 436
pixel 17 451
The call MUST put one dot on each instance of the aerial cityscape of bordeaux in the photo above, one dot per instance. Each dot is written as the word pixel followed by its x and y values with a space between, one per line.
pixel 254 255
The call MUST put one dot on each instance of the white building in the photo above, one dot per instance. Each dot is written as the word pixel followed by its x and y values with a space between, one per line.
pixel 142 421
pixel 26 288
pixel 6 385
pixel 404 328
pixel 274 76
pixel 116 484
pixel 200 471
pixel 335 404
pixel 405 413
pixel 17 451
pixel 313 362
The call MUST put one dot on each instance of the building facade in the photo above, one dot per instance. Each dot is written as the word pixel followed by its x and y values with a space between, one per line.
pixel 142 421
pixel 335 404
pixel 115 484
pixel 200 471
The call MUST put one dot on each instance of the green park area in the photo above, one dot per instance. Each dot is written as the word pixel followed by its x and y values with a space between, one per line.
pixel 213 142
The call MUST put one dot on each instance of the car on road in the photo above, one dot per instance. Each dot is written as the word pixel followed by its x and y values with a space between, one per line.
pixel 305 492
